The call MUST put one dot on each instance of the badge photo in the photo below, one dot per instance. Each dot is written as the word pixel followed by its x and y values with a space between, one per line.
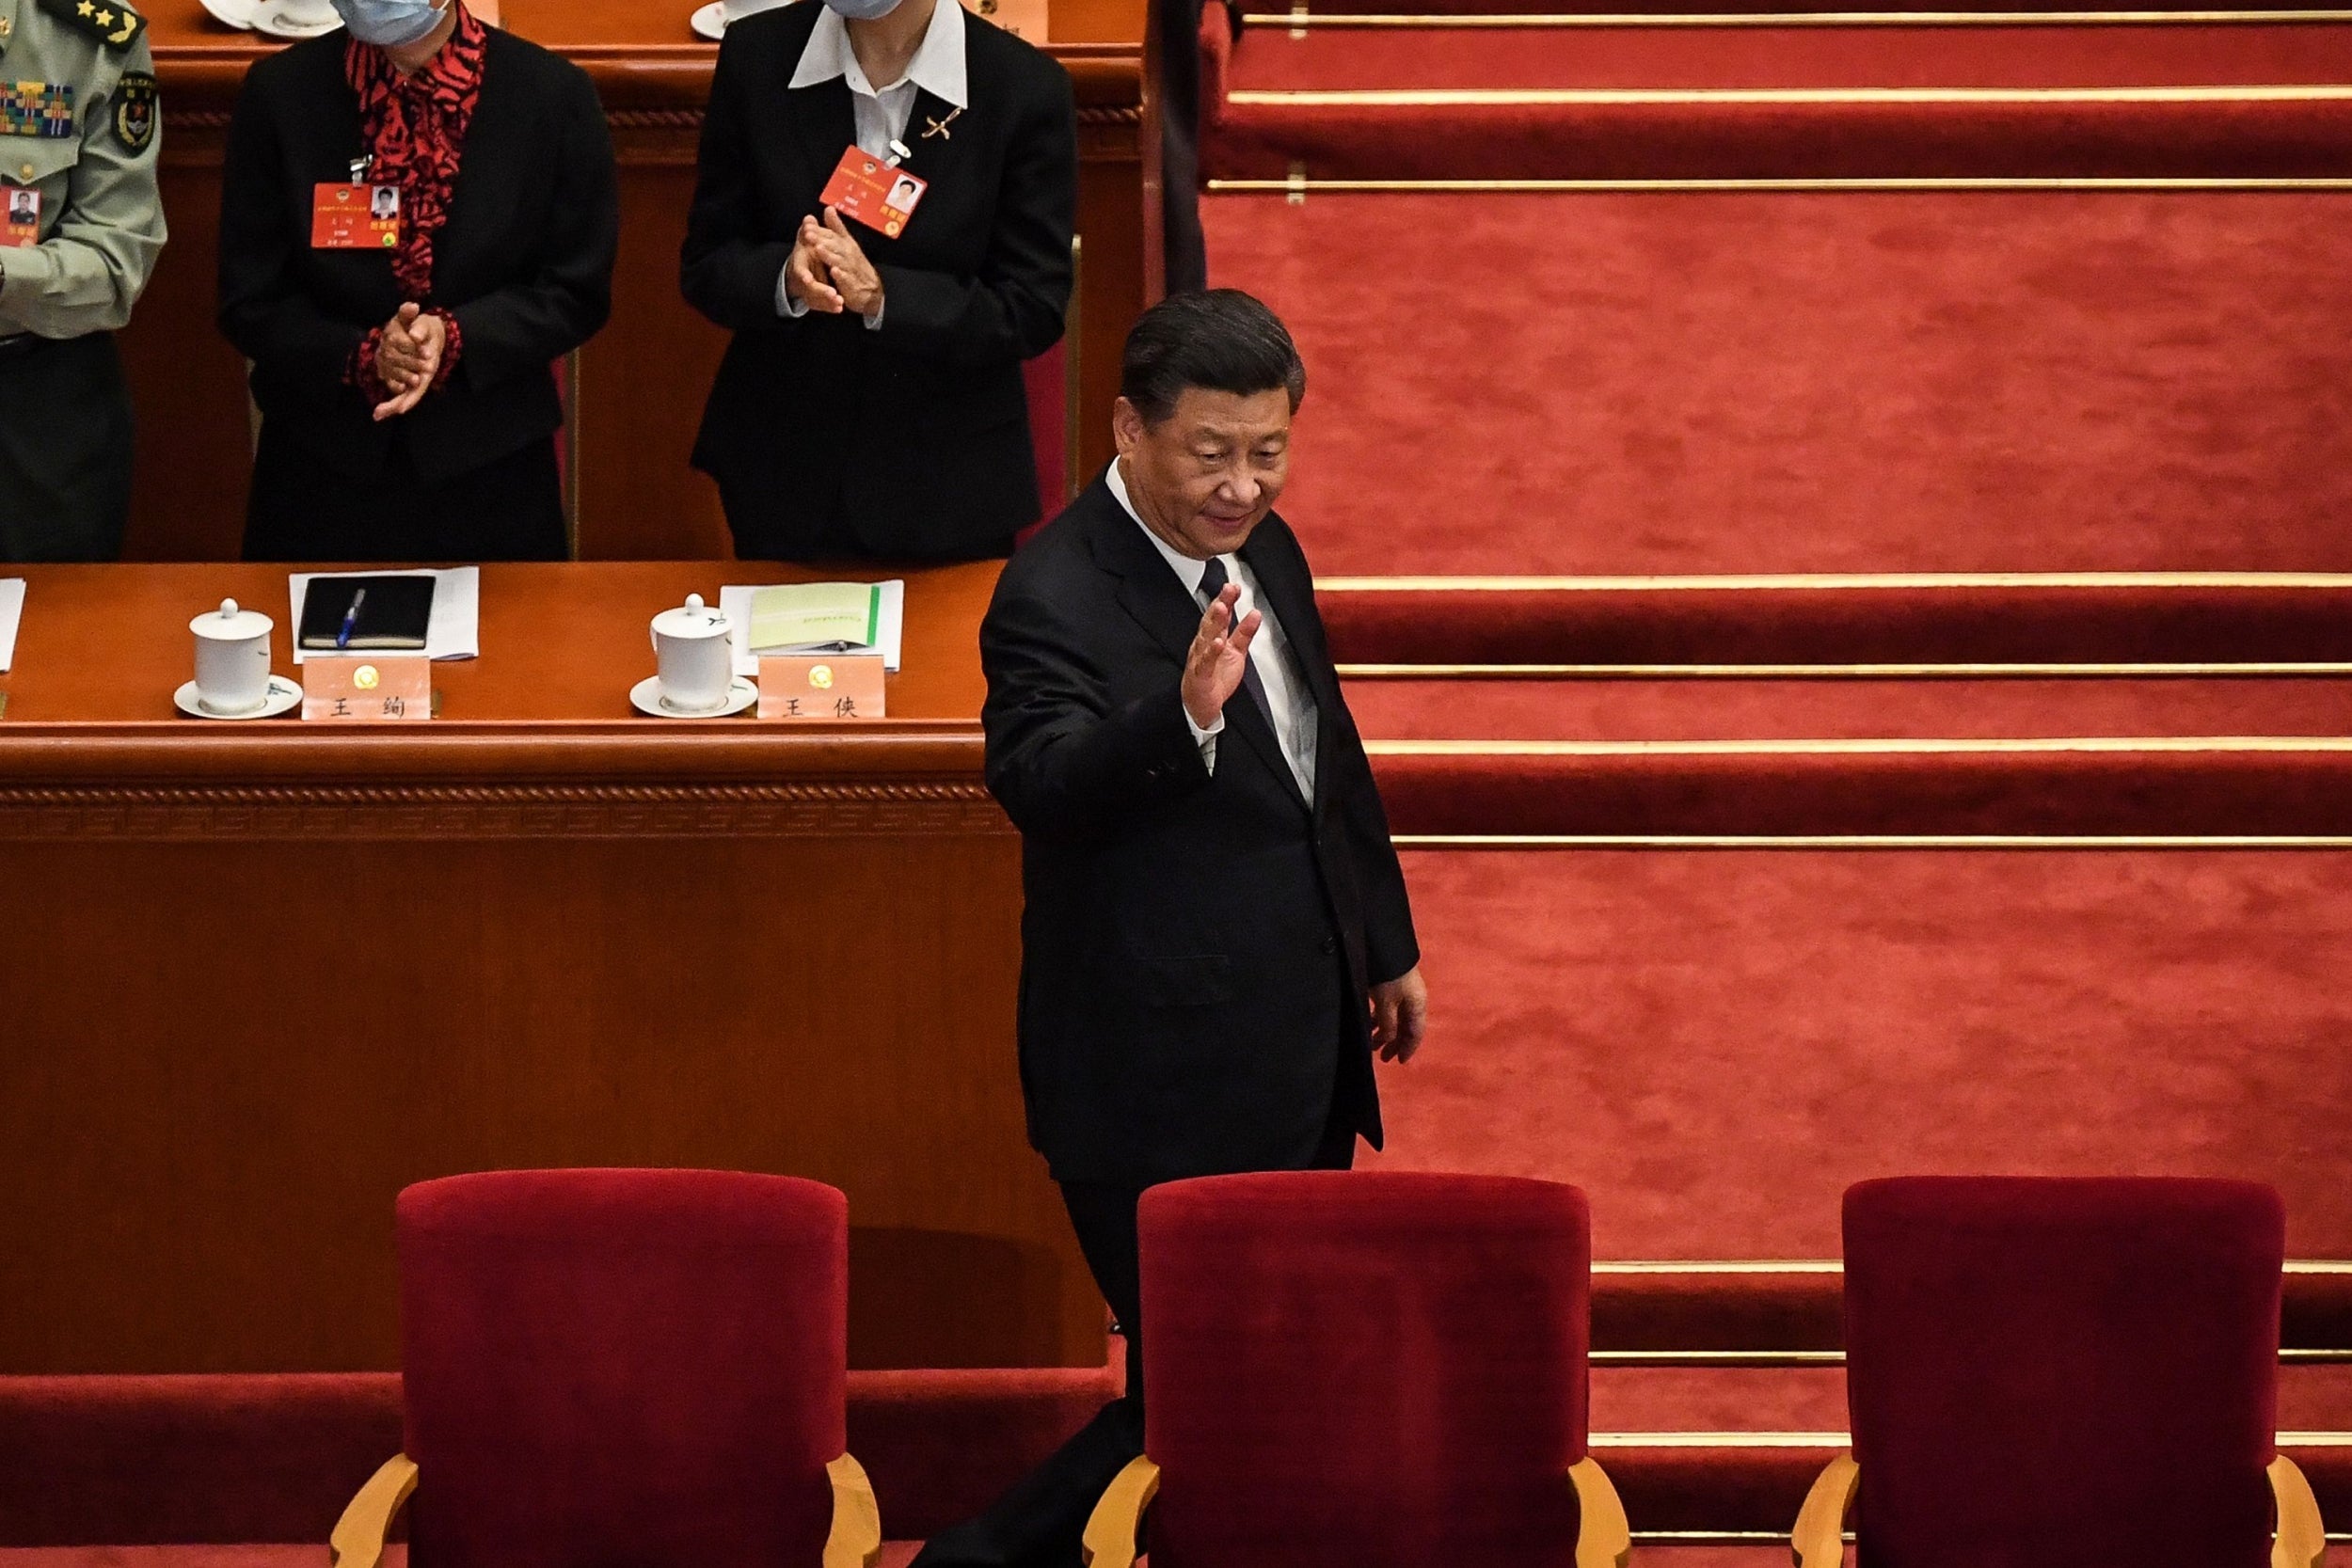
pixel 355 218
pixel 23 226
pixel 879 194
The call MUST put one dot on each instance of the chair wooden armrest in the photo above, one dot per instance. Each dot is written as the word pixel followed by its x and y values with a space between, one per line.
pixel 1819 1538
pixel 1111 1533
pixel 856 1539
pixel 358 1538
pixel 2302 1540
pixel 1603 1539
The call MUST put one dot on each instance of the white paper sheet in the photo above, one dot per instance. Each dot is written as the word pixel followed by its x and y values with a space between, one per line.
pixel 736 604
pixel 11 612
pixel 454 632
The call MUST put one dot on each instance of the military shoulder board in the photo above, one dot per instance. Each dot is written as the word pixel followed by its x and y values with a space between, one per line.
pixel 111 23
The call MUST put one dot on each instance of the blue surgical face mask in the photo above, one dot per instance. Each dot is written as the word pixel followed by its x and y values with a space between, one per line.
pixel 863 10
pixel 389 24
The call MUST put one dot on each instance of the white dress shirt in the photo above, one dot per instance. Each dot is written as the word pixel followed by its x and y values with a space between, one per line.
pixel 1292 708
pixel 882 113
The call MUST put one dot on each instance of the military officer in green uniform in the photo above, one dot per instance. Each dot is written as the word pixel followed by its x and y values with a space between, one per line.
pixel 80 225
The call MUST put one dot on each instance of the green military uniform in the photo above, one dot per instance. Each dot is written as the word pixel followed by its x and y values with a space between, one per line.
pixel 79 124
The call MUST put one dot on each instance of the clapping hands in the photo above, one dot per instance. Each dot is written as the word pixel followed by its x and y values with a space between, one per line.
pixel 829 271
pixel 409 358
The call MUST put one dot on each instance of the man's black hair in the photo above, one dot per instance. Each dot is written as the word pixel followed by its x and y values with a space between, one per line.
pixel 1219 340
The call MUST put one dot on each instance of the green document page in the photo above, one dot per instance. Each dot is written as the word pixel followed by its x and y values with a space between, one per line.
pixel 816 617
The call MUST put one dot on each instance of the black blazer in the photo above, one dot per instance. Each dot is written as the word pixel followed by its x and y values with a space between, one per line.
pixel 912 441
pixel 1197 948
pixel 525 261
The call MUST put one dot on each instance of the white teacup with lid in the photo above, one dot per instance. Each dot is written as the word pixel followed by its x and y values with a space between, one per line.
pixel 231 660
pixel 695 661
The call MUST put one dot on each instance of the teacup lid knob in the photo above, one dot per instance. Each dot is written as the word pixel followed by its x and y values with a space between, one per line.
pixel 694 603
pixel 228 609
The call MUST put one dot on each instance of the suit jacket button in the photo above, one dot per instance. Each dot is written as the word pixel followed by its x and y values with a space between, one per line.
pixel 1331 944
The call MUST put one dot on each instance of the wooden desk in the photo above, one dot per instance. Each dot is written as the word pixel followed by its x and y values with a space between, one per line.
pixel 258 977
pixel 644 379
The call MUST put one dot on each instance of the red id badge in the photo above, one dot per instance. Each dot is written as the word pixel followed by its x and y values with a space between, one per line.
pixel 355 218
pixel 876 194
pixel 20 220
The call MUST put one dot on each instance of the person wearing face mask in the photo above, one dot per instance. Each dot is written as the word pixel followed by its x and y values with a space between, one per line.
pixel 871 404
pixel 418 217
pixel 1215 936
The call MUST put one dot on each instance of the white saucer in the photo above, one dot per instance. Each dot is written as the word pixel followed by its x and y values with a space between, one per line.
pixel 646 697
pixel 268 21
pixel 710 21
pixel 285 697
pixel 233 13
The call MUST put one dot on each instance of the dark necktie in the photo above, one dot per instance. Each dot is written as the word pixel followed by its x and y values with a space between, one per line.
pixel 1213 582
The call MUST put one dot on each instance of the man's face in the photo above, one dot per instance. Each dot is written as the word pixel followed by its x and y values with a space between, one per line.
pixel 1206 476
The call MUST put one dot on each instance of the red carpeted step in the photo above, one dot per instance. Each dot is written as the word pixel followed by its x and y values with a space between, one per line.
pixel 1271 14
pixel 1789 710
pixel 1714 1044
pixel 1456 119
pixel 2200 788
pixel 1277 59
pixel 1823 382
pixel 1654 1308
pixel 1733 1401
pixel 2180 622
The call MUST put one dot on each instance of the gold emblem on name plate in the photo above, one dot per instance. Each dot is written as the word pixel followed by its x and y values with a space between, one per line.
pixel 365 677
pixel 820 676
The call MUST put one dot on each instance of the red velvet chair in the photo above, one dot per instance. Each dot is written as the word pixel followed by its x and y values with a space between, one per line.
pixel 1364 1369
pixel 2046 1372
pixel 641 1366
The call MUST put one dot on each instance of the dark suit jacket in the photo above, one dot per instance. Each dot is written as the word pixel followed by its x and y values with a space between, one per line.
pixel 1197 948
pixel 525 261
pixel 912 441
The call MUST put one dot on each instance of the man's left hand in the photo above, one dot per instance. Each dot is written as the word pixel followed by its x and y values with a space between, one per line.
pixel 853 276
pixel 1400 1015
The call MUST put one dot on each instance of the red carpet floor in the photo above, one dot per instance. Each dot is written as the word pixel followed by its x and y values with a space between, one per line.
pixel 1828 709
pixel 1754 383
pixel 1272 58
pixel 1714 1044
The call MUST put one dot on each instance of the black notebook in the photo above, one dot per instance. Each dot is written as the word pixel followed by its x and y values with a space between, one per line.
pixel 394 614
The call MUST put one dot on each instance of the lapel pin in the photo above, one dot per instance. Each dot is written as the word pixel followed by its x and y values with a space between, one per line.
pixel 939 127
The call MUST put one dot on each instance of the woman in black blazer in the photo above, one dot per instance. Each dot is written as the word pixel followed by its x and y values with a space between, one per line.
pixel 409 403
pixel 871 402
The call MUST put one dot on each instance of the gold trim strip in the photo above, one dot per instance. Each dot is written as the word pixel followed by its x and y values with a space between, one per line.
pixel 1830 671
pixel 1455 98
pixel 1636 20
pixel 1733 1359
pixel 1825 581
pixel 1840 1440
pixel 1834 1265
pixel 2099 184
pixel 1764 1360
pixel 1870 841
pixel 2039 746
pixel 1721 1265
pixel 1718 1440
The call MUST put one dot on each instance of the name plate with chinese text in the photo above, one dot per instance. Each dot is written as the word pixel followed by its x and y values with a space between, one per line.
pixel 821 686
pixel 373 690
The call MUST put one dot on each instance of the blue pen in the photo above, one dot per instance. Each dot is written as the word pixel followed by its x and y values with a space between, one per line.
pixel 351 619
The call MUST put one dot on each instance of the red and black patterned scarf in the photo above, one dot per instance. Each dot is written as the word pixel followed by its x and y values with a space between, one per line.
pixel 415 126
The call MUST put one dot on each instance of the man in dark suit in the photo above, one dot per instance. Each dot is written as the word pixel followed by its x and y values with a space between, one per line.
pixel 1217 935
pixel 856 350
